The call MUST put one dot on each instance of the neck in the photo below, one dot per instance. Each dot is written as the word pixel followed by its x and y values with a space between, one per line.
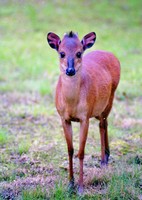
pixel 71 87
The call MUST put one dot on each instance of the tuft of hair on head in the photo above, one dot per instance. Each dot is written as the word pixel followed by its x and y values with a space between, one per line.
pixel 71 34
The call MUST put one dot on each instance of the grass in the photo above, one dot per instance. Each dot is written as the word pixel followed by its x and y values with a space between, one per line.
pixel 23 147
pixel 33 153
pixel 36 193
pixel 123 184
pixel 3 137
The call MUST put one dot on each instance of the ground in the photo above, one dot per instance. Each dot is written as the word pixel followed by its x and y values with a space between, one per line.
pixel 34 155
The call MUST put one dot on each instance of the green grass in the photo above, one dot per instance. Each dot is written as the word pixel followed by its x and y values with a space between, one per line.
pixel 3 137
pixel 124 184
pixel 32 148
pixel 37 194
pixel 23 147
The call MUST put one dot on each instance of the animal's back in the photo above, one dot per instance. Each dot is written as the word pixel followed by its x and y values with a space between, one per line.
pixel 101 72
pixel 102 62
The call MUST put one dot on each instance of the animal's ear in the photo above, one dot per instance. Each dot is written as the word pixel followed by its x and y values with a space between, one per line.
pixel 53 40
pixel 88 40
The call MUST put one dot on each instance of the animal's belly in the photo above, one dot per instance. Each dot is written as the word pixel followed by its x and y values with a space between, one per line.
pixel 100 106
pixel 98 109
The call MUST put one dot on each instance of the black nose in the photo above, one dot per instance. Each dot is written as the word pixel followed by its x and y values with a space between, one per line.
pixel 70 71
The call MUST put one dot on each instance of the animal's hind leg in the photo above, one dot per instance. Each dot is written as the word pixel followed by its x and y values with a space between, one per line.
pixel 104 141
pixel 105 152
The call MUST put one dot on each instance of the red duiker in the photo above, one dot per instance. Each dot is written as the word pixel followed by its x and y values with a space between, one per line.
pixel 85 89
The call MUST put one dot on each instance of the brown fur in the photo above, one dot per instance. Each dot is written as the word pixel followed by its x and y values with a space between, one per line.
pixel 89 93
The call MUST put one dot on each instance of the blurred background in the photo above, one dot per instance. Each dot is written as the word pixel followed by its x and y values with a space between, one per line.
pixel 27 62
pixel 33 154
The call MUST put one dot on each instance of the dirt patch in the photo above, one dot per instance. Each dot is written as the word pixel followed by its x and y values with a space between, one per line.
pixel 14 189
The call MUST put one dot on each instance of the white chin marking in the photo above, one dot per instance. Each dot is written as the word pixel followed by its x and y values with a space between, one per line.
pixel 63 67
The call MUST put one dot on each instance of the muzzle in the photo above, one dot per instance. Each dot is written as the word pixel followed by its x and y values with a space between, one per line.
pixel 70 71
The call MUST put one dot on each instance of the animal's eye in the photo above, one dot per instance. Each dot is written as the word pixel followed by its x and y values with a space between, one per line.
pixel 78 54
pixel 62 54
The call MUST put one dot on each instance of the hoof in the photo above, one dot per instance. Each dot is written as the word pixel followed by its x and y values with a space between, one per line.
pixel 104 162
pixel 71 186
pixel 80 190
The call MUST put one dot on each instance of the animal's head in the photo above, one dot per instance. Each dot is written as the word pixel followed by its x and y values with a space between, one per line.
pixel 70 50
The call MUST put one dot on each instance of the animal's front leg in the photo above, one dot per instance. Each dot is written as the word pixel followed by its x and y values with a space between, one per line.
pixel 68 135
pixel 83 137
